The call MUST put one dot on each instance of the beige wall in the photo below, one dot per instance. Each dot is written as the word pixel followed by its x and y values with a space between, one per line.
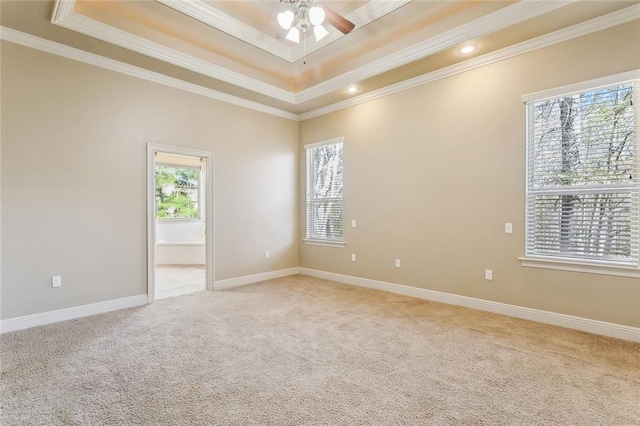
pixel 433 173
pixel 74 180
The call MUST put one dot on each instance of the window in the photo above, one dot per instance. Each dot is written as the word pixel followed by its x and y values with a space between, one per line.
pixel 583 178
pixel 177 192
pixel 324 191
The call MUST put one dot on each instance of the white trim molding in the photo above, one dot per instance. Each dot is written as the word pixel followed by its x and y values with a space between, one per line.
pixel 574 88
pixel 93 28
pixel 64 9
pixel 324 243
pixel 332 141
pixel 213 17
pixel 597 24
pixel 65 51
pixel 209 219
pixel 252 279
pixel 617 331
pixel 584 267
pixel 509 15
pixel 51 317
pixel 28 321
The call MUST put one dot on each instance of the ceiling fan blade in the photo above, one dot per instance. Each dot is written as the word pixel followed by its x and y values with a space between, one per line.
pixel 341 23
pixel 281 34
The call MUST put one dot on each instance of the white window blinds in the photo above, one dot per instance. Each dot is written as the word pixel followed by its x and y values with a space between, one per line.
pixel 583 178
pixel 324 190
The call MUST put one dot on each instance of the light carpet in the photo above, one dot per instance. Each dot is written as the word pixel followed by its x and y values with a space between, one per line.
pixel 304 351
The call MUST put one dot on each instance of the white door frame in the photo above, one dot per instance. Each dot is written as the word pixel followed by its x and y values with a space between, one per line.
pixel 152 149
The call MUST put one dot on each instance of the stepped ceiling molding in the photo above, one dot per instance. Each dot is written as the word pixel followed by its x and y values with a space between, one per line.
pixel 230 48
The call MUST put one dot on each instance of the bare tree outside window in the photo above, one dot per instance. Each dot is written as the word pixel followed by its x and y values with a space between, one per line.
pixel 324 192
pixel 583 185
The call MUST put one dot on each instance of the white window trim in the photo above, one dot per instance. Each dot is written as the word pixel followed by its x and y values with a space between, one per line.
pixel 574 266
pixel 326 243
pixel 572 89
pixel 570 264
pixel 333 141
pixel 314 241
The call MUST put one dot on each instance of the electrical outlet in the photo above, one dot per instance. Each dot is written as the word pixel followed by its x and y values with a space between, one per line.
pixel 353 257
pixel 488 274
pixel 508 228
pixel 56 281
pixel 353 223
pixel 397 263
pixel 266 254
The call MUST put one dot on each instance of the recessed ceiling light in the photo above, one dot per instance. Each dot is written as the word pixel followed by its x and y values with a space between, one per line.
pixel 352 89
pixel 465 50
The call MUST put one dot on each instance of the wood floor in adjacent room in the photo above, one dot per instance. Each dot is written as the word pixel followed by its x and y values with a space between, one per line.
pixel 305 351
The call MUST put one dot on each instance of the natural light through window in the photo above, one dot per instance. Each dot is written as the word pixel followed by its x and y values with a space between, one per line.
pixel 583 176
pixel 324 191
pixel 177 192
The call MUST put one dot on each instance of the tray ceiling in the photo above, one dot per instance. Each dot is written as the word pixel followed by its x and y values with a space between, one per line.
pixel 230 46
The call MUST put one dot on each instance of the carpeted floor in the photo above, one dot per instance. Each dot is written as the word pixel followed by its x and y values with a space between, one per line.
pixel 303 351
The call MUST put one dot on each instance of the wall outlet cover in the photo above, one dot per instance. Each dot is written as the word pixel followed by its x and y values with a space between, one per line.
pixel 56 281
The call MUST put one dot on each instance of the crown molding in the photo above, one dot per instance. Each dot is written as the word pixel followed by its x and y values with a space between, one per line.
pixel 61 9
pixel 213 17
pixel 362 16
pixel 64 16
pixel 64 7
pixel 65 51
pixel 99 30
pixel 487 24
pixel 597 24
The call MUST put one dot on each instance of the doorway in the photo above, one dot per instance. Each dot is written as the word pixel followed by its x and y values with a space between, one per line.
pixel 179 221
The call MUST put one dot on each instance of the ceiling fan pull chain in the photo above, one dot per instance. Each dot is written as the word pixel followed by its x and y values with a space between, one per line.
pixel 304 47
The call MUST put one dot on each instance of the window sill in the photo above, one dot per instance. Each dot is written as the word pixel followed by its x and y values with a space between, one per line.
pixel 576 266
pixel 326 243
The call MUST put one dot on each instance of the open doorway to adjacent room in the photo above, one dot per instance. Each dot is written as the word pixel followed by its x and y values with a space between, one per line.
pixel 179 221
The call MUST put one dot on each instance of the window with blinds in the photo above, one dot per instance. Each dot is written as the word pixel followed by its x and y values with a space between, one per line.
pixel 583 180
pixel 324 190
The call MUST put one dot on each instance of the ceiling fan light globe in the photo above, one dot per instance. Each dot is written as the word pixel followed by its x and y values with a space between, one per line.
pixel 293 35
pixel 285 19
pixel 320 32
pixel 316 15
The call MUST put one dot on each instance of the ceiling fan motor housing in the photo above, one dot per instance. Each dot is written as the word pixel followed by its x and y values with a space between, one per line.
pixel 302 15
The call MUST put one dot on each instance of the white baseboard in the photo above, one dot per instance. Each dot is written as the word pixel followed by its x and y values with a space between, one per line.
pixel 250 279
pixel 28 321
pixel 568 321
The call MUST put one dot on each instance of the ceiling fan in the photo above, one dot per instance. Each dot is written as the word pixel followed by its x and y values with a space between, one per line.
pixel 307 14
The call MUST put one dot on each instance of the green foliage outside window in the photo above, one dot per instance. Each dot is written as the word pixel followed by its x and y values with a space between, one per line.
pixel 177 192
